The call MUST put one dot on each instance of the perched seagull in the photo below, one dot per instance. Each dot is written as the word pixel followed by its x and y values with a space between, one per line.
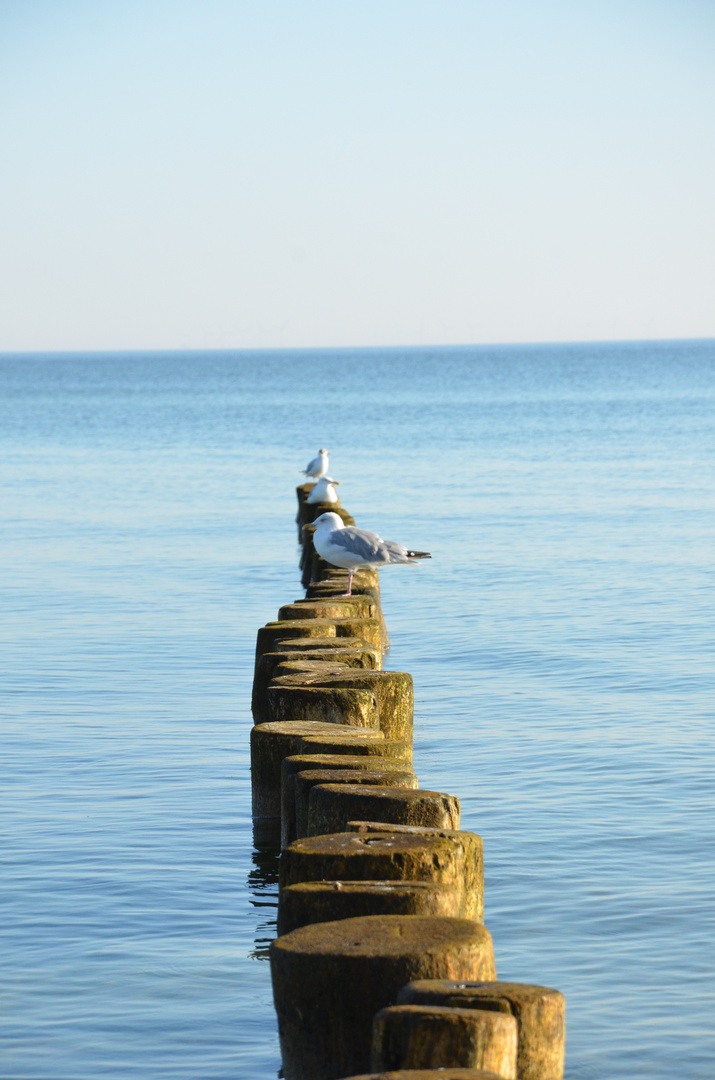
pixel 318 466
pixel 349 547
pixel 323 491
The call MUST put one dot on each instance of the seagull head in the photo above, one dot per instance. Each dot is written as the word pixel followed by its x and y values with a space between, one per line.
pixel 327 521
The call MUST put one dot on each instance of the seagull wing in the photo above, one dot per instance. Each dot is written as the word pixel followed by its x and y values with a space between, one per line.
pixel 366 545
pixel 397 552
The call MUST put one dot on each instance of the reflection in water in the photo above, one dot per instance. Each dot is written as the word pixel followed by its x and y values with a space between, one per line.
pixel 263 885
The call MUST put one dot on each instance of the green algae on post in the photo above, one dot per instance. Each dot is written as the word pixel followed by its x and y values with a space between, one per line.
pixel 360 629
pixel 393 690
pixel 345 706
pixel 347 742
pixel 335 607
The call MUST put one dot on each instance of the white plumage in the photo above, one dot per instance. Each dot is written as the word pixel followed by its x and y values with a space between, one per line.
pixel 323 491
pixel 318 466
pixel 350 547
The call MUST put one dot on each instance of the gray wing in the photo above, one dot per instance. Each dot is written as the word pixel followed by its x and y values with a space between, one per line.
pixel 397 552
pixel 367 545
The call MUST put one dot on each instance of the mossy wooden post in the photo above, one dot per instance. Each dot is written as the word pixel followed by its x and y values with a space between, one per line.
pixel 326 901
pixel 540 1013
pixel 343 742
pixel 430 1036
pixel 305 780
pixel 312 567
pixel 270 743
pixel 368 629
pixel 301 762
pixel 472 855
pixel 347 657
pixel 350 706
pixel 360 629
pixel 336 607
pixel 330 808
pixel 370 655
pixel 302 492
pixel 351 651
pixel 346 651
pixel 329 980
pixel 273 632
pixel 308 668
pixel 311 666
pixel 267 667
pixel 365 582
pixel 334 583
pixel 389 856
pixel 393 690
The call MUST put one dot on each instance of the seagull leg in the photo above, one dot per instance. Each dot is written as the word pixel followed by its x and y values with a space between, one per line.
pixel 350 584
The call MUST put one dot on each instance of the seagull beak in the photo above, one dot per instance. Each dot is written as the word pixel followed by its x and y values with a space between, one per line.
pixel 309 528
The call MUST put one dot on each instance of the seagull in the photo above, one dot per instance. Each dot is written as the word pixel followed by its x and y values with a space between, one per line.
pixel 318 466
pixel 346 546
pixel 323 491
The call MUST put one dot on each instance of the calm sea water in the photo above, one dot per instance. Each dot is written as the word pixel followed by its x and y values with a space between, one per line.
pixel 561 643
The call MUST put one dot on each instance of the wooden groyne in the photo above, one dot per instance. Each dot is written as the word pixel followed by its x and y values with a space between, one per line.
pixel 383 964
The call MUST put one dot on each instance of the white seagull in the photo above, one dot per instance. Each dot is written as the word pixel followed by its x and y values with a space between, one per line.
pixel 323 491
pixel 350 548
pixel 318 466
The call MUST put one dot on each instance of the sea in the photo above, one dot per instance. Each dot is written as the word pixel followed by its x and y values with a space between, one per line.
pixel 561 642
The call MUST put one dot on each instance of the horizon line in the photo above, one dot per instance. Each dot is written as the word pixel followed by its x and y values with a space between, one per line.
pixel 166 350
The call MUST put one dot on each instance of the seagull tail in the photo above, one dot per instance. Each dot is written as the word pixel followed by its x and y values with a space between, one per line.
pixel 418 555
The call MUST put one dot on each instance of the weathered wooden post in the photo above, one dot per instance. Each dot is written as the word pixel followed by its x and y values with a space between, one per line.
pixel 540 1013
pixel 330 979
pixel 303 762
pixel 270 743
pixel 326 901
pixel 330 808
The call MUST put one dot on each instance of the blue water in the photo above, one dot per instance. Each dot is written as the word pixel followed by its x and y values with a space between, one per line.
pixel 561 643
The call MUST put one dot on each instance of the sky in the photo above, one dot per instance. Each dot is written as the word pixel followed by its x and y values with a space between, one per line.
pixel 228 174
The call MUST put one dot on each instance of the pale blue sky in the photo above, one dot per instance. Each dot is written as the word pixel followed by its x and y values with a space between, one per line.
pixel 215 174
